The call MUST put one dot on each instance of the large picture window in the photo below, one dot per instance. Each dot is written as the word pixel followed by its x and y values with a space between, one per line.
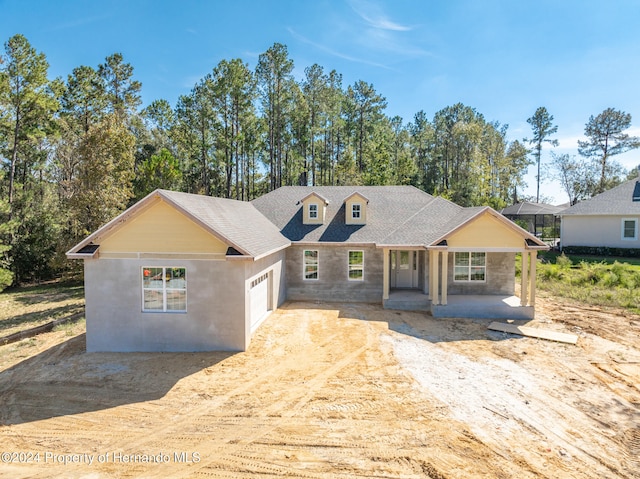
pixel 469 266
pixel 356 265
pixel 629 229
pixel 164 289
pixel 310 259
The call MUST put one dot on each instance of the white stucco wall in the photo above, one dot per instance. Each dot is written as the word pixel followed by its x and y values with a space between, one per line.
pixel 595 231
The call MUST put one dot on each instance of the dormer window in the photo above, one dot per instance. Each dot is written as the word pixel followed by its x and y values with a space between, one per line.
pixel 355 209
pixel 314 209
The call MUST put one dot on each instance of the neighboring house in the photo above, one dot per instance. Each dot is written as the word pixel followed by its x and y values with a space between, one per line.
pixel 608 220
pixel 183 272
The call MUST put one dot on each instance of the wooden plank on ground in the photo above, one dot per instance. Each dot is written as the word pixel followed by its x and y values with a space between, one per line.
pixel 534 332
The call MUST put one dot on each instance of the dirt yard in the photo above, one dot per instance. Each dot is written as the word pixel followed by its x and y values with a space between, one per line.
pixel 334 391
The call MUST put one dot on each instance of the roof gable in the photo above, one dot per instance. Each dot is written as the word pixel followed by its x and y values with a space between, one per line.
pixel 161 228
pixel 231 222
pixel 483 227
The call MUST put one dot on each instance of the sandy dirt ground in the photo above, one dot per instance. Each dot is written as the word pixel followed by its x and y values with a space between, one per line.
pixel 334 391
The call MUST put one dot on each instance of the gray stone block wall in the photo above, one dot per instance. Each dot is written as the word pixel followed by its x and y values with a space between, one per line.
pixel 500 276
pixel 333 283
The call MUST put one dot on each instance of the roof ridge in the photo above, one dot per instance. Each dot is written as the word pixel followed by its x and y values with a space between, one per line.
pixel 432 199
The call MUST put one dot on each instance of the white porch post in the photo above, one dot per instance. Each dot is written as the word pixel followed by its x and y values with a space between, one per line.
pixel 385 273
pixel 445 268
pixel 425 273
pixel 524 283
pixel 433 277
pixel 532 278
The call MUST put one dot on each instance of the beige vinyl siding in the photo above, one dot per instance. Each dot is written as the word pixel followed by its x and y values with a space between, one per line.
pixel 315 200
pixel 485 232
pixel 355 200
pixel 161 228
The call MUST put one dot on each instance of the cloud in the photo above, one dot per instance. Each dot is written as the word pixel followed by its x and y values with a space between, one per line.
pixel 335 53
pixel 375 18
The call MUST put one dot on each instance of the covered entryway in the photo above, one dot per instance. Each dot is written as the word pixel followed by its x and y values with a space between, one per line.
pixel 259 300
pixel 404 269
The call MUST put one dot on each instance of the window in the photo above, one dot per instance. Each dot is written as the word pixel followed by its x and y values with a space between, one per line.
pixel 355 211
pixel 629 229
pixel 469 266
pixel 164 289
pixel 356 265
pixel 313 211
pixel 310 259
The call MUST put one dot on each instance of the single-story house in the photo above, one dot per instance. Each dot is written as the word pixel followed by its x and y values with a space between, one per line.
pixel 185 272
pixel 608 220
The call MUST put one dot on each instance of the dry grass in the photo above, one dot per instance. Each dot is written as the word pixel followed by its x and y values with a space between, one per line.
pixel 27 307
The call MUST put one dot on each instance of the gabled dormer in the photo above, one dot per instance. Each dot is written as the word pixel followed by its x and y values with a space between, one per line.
pixel 355 209
pixel 314 209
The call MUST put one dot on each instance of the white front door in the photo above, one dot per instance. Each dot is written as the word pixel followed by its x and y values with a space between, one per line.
pixel 405 265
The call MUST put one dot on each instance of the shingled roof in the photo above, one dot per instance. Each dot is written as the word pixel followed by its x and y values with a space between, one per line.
pixel 616 201
pixel 396 215
pixel 233 222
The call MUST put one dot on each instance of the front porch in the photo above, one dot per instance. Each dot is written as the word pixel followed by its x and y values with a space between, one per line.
pixel 437 290
pixel 461 306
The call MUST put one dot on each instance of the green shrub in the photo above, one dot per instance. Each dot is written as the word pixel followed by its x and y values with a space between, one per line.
pixel 564 262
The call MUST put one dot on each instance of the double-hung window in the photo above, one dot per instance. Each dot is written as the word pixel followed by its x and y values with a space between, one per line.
pixel 164 289
pixel 310 260
pixel 313 211
pixel 356 265
pixel 355 211
pixel 629 229
pixel 469 266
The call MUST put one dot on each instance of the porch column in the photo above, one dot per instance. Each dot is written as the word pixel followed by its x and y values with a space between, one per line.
pixel 524 283
pixel 433 276
pixel 532 278
pixel 425 273
pixel 445 269
pixel 385 273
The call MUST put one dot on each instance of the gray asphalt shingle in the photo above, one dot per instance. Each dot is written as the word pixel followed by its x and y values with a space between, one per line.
pixel 396 215
pixel 616 201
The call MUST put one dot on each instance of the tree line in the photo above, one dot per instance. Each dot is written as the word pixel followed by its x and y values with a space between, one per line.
pixel 77 151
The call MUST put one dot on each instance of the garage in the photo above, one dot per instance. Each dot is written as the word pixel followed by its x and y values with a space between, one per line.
pixel 259 300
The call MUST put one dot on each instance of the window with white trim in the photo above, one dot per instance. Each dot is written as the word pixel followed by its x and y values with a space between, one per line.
pixel 469 266
pixel 164 289
pixel 356 265
pixel 310 262
pixel 629 229
pixel 313 211
pixel 356 211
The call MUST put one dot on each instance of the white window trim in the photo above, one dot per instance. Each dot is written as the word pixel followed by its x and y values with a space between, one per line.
pixel 164 291
pixel 356 211
pixel 635 230
pixel 469 280
pixel 349 278
pixel 304 265
pixel 313 213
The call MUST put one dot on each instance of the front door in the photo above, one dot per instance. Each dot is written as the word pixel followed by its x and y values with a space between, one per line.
pixel 405 266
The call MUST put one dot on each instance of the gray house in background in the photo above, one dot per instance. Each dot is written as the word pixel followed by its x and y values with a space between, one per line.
pixel 608 220
pixel 184 272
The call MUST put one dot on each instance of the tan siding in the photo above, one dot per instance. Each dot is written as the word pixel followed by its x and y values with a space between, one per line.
pixel 161 228
pixel 313 199
pixel 485 232
pixel 356 200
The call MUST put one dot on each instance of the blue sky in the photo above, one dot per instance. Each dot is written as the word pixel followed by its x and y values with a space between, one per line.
pixel 504 58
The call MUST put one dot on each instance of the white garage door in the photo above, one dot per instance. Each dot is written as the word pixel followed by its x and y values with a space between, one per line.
pixel 259 297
